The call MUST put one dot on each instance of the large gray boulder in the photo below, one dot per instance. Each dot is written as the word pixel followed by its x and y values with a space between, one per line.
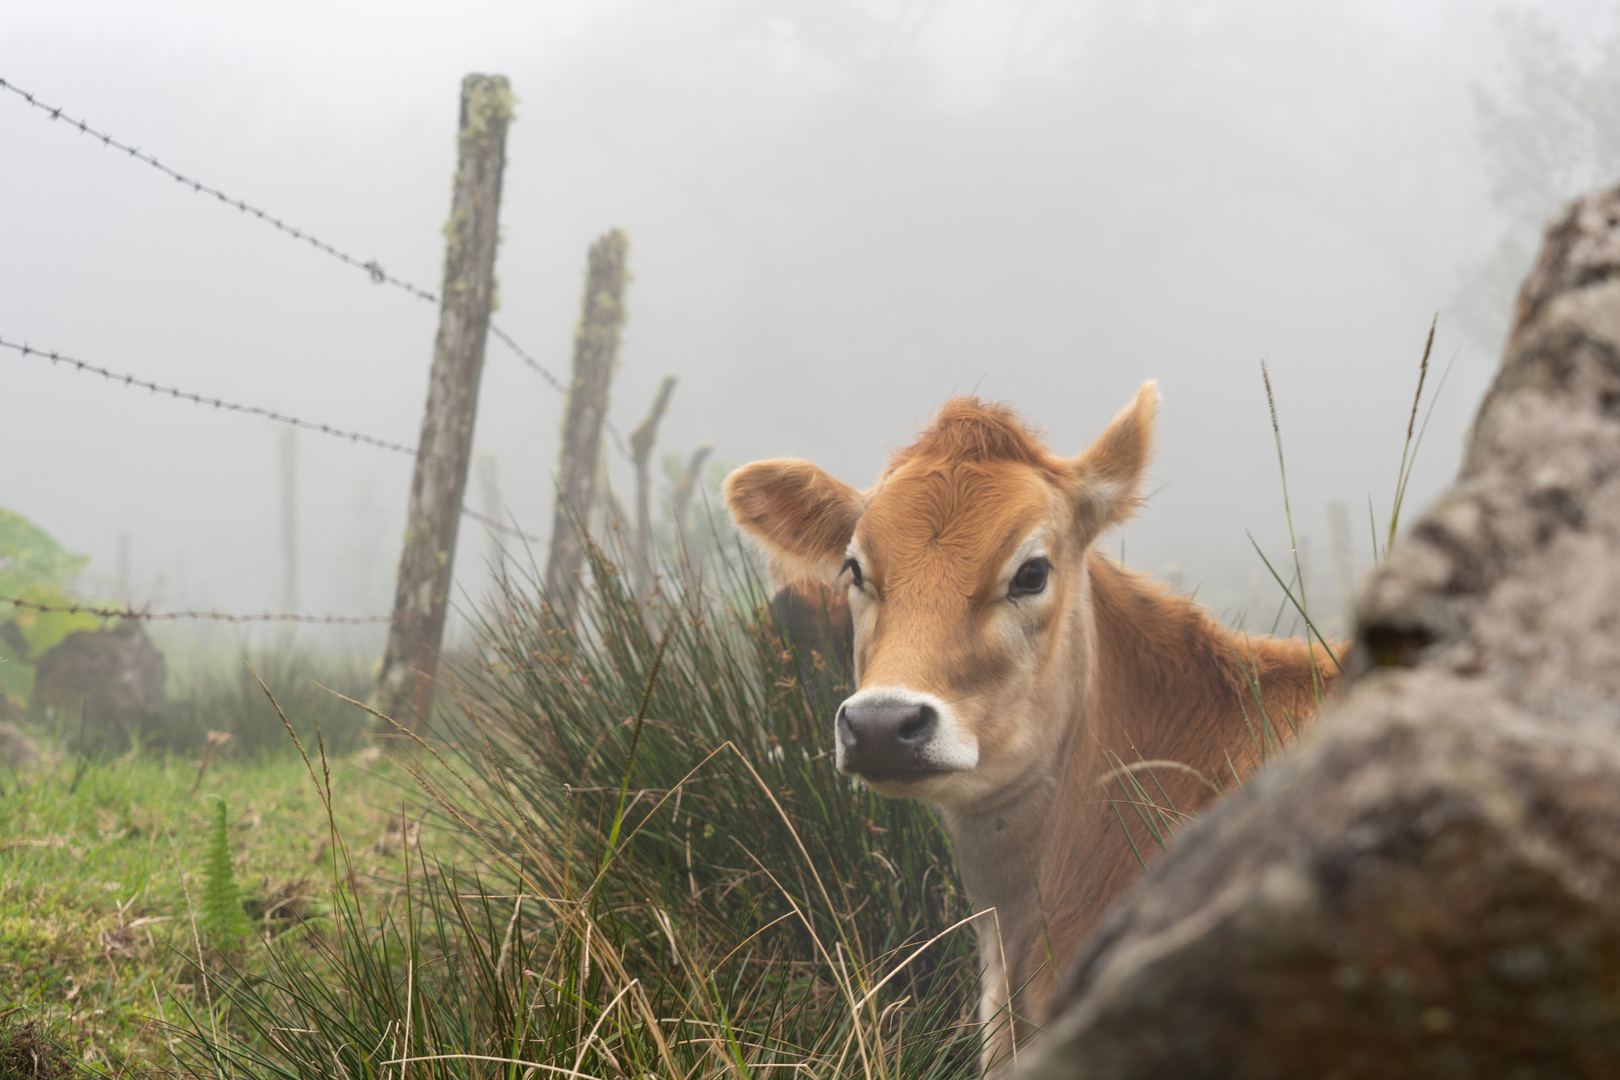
pixel 1429 885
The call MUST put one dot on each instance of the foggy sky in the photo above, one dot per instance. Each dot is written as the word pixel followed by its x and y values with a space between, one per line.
pixel 837 220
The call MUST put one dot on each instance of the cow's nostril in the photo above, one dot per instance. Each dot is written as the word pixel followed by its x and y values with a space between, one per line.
pixel 846 734
pixel 920 728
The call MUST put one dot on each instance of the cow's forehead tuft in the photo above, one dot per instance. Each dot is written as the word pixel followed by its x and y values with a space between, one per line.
pixel 967 430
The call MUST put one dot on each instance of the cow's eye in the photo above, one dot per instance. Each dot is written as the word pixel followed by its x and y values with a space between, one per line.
pixel 853 568
pixel 1031 577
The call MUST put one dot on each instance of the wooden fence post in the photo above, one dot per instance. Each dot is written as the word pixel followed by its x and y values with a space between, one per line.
pixel 422 593
pixel 688 484
pixel 596 350
pixel 642 441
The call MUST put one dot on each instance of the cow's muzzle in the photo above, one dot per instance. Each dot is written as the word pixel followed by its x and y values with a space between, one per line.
pixel 886 738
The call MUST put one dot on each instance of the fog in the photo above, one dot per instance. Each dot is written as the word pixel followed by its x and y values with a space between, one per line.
pixel 840 214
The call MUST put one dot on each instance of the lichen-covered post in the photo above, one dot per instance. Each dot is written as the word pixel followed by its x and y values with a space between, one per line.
pixel 642 441
pixel 596 352
pixel 422 593
pixel 688 485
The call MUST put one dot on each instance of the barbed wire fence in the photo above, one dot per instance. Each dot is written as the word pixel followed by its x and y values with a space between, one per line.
pixel 371 267
pixel 376 273
pixel 499 526
pixel 19 604
pixel 176 394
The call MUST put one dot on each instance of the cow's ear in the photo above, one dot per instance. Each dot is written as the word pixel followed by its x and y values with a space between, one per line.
pixel 1107 478
pixel 803 517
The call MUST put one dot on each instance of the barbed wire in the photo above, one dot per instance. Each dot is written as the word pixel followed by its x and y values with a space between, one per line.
pixel 613 432
pixel 372 268
pixel 18 603
pixel 500 526
pixel 177 394
pixel 533 364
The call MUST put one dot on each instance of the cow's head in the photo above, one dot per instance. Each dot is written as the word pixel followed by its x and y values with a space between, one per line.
pixel 967 573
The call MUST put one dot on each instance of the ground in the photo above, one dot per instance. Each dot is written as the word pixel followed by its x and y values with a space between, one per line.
pixel 101 875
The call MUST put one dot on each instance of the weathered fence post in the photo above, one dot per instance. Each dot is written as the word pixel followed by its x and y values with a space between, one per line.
pixel 642 441
pixel 688 486
pixel 684 490
pixel 596 350
pixel 422 593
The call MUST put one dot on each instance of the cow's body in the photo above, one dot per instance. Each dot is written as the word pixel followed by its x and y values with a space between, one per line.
pixel 1038 694
pixel 815 618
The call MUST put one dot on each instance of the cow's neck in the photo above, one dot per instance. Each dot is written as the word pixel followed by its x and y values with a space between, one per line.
pixel 1161 687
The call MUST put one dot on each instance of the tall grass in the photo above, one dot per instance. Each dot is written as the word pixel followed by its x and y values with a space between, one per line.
pixel 675 879
pixel 1293 587
pixel 225 696
pixel 1133 790
pixel 218 692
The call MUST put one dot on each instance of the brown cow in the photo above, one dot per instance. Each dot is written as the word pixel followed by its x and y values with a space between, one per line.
pixel 1030 688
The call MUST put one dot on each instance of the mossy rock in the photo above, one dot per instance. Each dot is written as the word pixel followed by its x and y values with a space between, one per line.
pixel 102 687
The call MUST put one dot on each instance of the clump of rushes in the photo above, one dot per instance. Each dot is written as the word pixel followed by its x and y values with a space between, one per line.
pixel 675 879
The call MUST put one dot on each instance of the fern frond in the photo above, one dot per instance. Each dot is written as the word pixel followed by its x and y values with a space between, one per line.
pixel 221 916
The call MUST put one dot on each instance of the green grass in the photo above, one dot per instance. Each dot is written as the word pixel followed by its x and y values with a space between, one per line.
pixel 96 862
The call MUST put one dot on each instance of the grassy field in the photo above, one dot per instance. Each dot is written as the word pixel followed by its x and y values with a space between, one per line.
pixel 635 857
pixel 101 873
